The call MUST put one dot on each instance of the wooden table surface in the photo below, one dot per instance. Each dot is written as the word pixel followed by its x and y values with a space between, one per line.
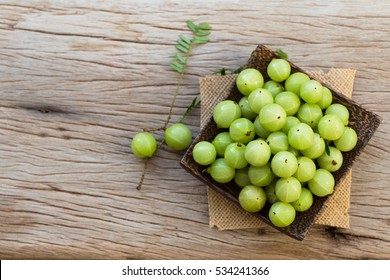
pixel 80 78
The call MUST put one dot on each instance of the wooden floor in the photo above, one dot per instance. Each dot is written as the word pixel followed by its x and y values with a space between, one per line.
pixel 78 79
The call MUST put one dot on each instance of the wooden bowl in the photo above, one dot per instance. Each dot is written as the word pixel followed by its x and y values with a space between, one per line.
pixel 364 122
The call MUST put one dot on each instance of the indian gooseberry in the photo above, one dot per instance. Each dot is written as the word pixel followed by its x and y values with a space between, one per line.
pixel 143 145
pixel 178 136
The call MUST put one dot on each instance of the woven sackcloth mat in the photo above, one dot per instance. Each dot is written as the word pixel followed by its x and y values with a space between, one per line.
pixel 224 214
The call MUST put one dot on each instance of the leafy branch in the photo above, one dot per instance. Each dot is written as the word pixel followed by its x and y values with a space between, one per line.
pixel 184 46
pixel 200 33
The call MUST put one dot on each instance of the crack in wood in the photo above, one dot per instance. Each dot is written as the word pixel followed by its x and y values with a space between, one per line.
pixel 44 109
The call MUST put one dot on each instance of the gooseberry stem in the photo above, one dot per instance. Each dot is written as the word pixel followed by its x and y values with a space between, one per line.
pixel 141 181
pixel 174 100
pixel 179 83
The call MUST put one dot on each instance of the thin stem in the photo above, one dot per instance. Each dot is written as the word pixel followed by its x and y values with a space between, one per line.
pixel 174 100
pixel 164 126
pixel 183 117
pixel 147 129
pixel 141 181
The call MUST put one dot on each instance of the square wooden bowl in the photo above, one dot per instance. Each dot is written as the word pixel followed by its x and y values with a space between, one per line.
pixel 364 122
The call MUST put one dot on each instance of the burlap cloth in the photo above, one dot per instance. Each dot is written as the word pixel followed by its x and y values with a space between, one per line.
pixel 224 214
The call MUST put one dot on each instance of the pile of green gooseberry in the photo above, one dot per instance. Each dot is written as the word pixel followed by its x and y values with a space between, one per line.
pixel 280 143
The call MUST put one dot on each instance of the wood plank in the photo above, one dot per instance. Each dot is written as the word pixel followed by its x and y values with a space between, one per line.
pixel 80 78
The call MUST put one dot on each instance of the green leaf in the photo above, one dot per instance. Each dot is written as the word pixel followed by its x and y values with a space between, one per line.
pixel 195 102
pixel 183 44
pixel 179 57
pixel 204 25
pixel 177 66
pixel 327 150
pixel 200 40
pixel 238 70
pixel 202 32
pixel 282 53
pixel 191 26
pixel 182 49
pixel 185 39
pixel 221 71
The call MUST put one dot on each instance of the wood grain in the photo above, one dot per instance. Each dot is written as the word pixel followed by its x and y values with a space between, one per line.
pixel 80 78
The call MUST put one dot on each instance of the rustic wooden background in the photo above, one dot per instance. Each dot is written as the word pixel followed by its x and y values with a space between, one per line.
pixel 78 79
